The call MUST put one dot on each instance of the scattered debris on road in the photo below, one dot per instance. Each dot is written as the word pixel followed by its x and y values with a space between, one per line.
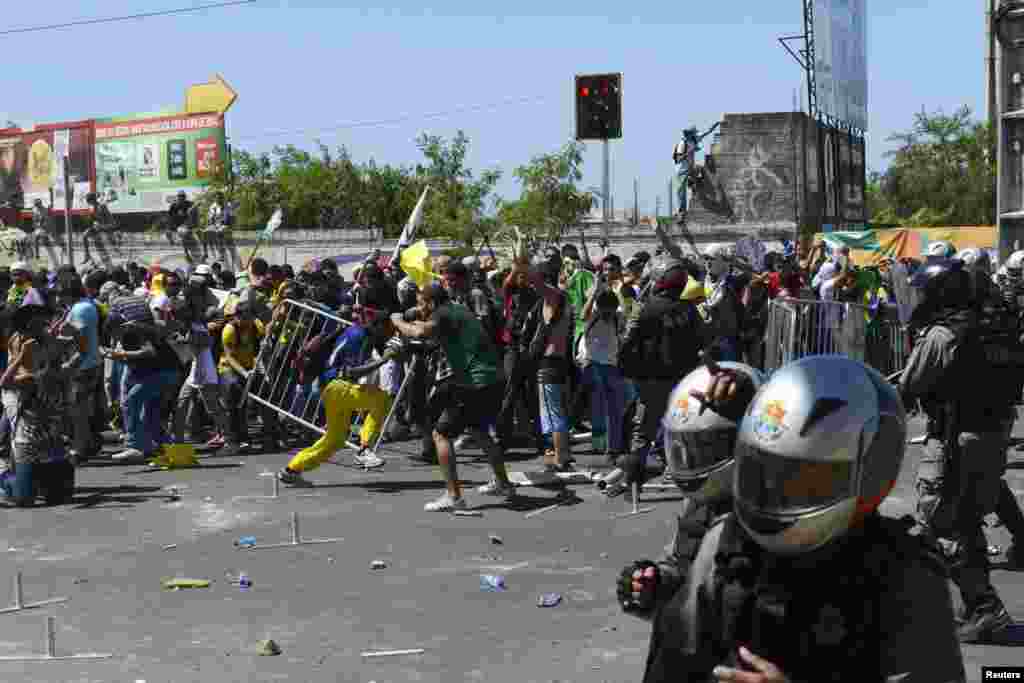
pixel 549 600
pixel 393 653
pixel 492 583
pixel 180 583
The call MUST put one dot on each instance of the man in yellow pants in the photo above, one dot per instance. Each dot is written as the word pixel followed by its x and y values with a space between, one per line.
pixel 348 392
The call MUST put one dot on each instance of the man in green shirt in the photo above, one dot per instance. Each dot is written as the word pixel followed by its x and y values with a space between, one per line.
pixel 471 399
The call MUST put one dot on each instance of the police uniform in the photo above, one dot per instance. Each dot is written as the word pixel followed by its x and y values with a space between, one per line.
pixel 805 573
pixel 873 608
pixel 959 476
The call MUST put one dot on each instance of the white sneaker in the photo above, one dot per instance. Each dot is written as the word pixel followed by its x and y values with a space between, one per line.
pixel 130 455
pixel 497 489
pixel 445 504
pixel 295 479
pixel 465 441
pixel 368 459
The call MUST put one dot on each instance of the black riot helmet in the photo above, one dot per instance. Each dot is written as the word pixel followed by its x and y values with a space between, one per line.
pixel 941 284
pixel 669 276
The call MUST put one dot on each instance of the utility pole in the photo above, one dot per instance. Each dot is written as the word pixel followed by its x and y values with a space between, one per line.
pixel 991 89
pixel 670 211
pixel 67 211
pixel 636 202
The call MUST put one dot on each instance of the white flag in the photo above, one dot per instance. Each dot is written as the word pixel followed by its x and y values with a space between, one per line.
pixel 409 231
pixel 273 224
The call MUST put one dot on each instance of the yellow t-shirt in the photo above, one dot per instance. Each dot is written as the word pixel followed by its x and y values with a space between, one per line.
pixel 243 347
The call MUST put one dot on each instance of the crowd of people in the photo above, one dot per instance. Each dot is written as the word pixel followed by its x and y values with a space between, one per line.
pixel 659 358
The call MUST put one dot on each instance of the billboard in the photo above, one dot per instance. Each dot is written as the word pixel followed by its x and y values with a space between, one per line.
pixel 32 165
pixel 840 60
pixel 141 164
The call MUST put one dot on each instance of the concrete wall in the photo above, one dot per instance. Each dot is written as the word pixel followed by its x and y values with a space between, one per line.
pixel 756 173
pixel 298 247
pixel 774 170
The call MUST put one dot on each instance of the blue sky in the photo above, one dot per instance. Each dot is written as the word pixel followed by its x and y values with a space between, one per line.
pixel 311 65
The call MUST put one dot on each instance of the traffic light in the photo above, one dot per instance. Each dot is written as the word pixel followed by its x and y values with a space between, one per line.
pixel 599 107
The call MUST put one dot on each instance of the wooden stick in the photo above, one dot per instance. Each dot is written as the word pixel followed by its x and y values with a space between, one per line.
pixel 393 653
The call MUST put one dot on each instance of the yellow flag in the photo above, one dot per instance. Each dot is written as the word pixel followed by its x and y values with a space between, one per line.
pixel 415 262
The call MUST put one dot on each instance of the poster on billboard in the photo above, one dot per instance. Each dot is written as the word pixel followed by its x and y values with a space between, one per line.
pixel 32 167
pixel 840 60
pixel 142 164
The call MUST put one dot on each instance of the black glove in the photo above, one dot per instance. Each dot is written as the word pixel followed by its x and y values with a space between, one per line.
pixel 643 602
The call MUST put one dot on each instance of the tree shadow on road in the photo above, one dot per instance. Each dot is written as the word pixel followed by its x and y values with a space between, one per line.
pixel 524 503
pixel 394 486
pixel 90 497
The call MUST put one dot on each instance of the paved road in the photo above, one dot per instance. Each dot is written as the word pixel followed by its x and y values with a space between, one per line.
pixel 322 603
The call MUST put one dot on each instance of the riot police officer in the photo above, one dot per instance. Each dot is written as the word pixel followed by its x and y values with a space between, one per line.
pixel 805 580
pixel 997 314
pixel 700 425
pixel 958 478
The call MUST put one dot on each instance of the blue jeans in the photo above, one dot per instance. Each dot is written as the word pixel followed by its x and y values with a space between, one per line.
pixel 140 406
pixel 607 403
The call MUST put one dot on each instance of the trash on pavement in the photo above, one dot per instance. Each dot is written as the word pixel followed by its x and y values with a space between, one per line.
pixel 495 539
pixel 378 564
pixel 170 546
pixel 467 513
pixel 549 600
pixel 393 653
pixel 246 542
pixel 492 583
pixel 268 648
pixel 180 583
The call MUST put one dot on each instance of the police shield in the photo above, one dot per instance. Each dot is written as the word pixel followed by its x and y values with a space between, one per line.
pixel 901 290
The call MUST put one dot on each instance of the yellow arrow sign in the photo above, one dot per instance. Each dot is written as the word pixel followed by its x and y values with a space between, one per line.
pixel 215 96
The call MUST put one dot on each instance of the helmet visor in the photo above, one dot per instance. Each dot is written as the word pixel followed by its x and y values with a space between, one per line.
pixel 787 486
pixel 696 454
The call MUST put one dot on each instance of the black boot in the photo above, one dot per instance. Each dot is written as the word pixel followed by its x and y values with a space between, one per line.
pixel 985 622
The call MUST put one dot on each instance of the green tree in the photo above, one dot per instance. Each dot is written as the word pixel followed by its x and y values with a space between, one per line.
pixel 942 173
pixel 457 205
pixel 550 203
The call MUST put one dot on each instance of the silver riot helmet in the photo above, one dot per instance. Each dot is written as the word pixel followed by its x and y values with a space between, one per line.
pixel 819 450
pixel 1015 268
pixel 717 259
pixel 978 265
pixel 700 448
pixel 941 249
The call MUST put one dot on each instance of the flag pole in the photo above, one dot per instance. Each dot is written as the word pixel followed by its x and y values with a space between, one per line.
pixel 409 231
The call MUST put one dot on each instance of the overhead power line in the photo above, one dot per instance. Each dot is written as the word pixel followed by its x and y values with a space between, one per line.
pixel 399 119
pixel 130 17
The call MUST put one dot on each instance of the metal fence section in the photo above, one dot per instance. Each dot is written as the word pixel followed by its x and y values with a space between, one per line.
pixel 275 383
pixel 798 328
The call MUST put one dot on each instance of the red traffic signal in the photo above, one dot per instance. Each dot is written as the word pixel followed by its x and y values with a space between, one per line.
pixel 585 92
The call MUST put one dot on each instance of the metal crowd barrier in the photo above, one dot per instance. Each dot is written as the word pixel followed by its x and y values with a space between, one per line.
pixel 275 383
pixel 798 328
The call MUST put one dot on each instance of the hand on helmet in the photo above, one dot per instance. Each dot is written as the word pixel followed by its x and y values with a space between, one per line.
pixel 727 393
pixel 637 587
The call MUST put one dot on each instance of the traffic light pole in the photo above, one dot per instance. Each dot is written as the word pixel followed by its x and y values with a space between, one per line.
pixel 606 187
